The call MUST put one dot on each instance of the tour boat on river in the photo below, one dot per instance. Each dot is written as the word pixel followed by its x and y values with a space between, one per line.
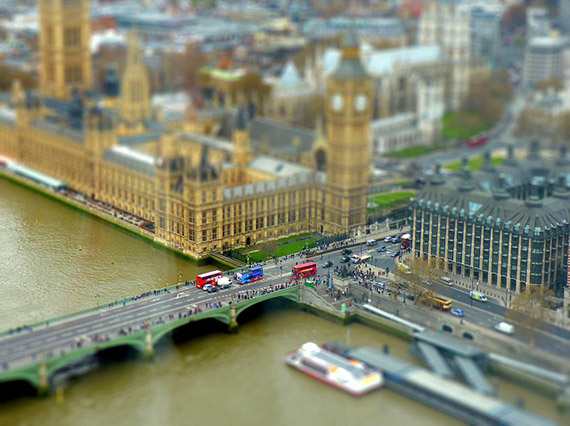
pixel 347 374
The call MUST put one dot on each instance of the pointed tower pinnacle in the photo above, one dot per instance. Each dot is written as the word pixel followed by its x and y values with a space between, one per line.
pixel 350 66
pixel 134 104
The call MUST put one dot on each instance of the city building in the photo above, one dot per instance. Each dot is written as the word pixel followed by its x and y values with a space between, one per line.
pixel 292 95
pixel 372 29
pixel 201 192
pixel 505 225
pixel 543 60
pixel 485 37
pixel 446 24
pixel 537 22
pixel 564 15
pixel 409 85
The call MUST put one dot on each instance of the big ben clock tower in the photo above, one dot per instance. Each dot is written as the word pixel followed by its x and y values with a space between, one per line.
pixel 65 54
pixel 349 113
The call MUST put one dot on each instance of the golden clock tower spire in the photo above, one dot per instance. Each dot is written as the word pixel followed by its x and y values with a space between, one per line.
pixel 65 54
pixel 349 113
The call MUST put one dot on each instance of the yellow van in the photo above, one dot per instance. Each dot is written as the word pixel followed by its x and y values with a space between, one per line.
pixel 477 296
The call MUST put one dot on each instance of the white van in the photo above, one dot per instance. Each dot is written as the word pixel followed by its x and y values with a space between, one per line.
pixel 224 282
pixel 447 281
pixel 477 296
pixel 371 242
pixel 505 327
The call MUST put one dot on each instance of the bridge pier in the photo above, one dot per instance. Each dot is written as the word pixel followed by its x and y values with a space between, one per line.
pixel 233 327
pixel 149 347
pixel 43 384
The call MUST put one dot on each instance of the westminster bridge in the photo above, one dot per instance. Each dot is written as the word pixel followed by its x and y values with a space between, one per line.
pixel 37 353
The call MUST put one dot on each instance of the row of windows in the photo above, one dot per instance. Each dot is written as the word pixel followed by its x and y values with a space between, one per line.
pixel 73 74
pixel 72 37
pixel 539 260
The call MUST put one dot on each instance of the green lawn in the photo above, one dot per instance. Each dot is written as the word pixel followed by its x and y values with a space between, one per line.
pixel 413 152
pixel 389 200
pixel 474 163
pixel 283 248
pixel 390 197
pixel 462 126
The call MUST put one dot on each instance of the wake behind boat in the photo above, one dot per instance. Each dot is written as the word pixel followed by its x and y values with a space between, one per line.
pixel 350 375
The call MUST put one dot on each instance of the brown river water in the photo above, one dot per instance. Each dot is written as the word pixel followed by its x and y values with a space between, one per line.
pixel 212 378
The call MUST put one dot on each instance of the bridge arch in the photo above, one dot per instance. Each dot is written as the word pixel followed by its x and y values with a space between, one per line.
pixel 29 375
pixel 220 314
pixel 290 294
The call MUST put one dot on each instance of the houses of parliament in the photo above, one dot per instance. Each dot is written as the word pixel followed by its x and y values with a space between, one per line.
pixel 203 191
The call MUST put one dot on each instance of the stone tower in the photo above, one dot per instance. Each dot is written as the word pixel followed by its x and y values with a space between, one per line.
pixel 65 54
pixel 349 113
pixel 134 106
pixel 241 137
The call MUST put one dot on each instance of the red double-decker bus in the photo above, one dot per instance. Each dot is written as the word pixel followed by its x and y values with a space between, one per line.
pixel 208 278
pixel 304 270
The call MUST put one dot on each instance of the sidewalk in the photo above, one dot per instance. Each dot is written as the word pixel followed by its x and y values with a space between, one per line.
pixel 502 296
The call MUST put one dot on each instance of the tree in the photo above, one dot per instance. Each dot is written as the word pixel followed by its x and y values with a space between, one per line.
pixel 514 17
pixel 268 248
pixel 536 123
pixel 563 131
pixel 552 82
pixel 530 309
pixel 417 272
pixel 484 104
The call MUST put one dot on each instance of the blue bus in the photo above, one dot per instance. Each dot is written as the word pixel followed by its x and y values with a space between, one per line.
pixel 255 273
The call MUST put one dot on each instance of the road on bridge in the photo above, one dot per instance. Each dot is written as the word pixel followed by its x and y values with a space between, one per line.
pixel 21 348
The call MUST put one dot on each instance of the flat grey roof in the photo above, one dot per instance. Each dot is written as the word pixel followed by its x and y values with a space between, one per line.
pixel 447 343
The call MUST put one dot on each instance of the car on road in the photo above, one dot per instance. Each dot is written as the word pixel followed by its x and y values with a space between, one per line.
pixel 410 296
pixel 388 239
pixel 224 283
pixel 327 264
pixel 395 254
pixel 426 282
pixel 207 287
pixel 477 296
pixel 345 259
pixel 346 252
pixel 212 289
pixel 382 249
pixel 505 327
pixel 457 312
pixel 447 281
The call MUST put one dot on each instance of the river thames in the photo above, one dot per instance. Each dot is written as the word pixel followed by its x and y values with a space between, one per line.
pixel 216 378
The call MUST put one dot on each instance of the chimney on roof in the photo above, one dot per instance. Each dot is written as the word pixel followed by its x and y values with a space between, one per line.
pixel 561 190
pixel 500 192
pixel 437 178
pixel 510 160
pixel 533 199
pixel 562 159
pixel 533 151
pixel 467 181
pixel 487 166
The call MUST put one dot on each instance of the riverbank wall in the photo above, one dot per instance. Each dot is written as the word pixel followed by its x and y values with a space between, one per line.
pixel 113 221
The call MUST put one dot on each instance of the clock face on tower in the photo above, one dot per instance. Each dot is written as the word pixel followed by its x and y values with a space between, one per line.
pixel 360 102
pixel 337 102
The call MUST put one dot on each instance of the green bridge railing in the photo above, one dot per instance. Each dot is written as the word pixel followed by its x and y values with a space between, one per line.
pixel 38 373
